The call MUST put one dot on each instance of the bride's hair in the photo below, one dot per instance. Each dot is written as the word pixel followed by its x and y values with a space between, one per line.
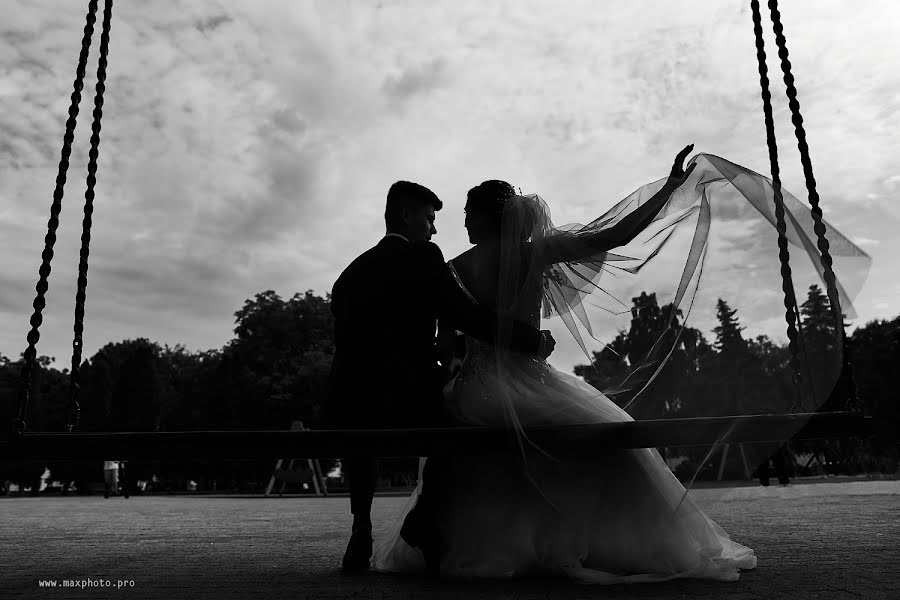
pixel 490 198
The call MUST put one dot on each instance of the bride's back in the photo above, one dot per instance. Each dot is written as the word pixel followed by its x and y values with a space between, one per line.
pixel 479 268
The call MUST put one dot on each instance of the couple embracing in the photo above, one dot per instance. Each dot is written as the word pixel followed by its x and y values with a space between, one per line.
pixel 613 517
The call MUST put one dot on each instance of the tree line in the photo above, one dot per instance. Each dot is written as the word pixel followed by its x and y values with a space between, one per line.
pixel 732 375
pixel 275 370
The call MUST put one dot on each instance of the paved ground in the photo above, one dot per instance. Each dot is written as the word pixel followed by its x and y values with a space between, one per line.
pixel 826 540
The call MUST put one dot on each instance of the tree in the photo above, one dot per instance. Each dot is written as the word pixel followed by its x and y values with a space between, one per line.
pixel 774 381
pixel 624 367
pixel 279 362
pixel 121 387
pixel 46 411
pixel 876 354
pixel 49 393
pixel 822 344
pixel 739 376
pixel 728 332
pixel 818 320
pixel 609 366
pixel 186 382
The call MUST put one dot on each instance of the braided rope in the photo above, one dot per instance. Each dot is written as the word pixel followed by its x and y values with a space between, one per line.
pixel 792 313
pixel 80 296
pixel 800 132
pixel 42 286
pixel 815 209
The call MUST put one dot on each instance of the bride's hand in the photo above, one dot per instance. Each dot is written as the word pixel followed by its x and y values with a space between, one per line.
pixel 678 174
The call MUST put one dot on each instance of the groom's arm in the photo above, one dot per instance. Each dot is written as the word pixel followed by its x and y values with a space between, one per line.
pixel 459 311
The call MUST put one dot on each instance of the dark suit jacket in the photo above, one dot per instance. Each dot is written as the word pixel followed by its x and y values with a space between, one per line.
pixel 385 304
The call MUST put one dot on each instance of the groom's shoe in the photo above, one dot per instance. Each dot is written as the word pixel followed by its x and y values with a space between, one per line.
pixel 359 551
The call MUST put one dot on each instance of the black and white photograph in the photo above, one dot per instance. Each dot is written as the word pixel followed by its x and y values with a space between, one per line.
pixel 507 300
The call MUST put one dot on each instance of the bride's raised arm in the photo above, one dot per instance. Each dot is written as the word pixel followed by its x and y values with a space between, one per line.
pixel 575 245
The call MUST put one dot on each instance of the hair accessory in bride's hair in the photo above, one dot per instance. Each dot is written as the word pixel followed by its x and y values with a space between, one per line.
pixel 490 197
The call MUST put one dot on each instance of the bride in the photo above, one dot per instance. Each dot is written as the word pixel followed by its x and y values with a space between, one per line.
pixel 611 517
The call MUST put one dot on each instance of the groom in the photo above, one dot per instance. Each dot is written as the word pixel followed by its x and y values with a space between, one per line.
pixel 385 372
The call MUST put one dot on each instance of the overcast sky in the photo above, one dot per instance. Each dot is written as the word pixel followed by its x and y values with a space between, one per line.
pixel 249 146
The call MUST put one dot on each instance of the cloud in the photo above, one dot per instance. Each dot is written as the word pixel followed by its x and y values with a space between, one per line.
pixel 415 80
pixel 212 23
pixel 249 146
pixel 892 183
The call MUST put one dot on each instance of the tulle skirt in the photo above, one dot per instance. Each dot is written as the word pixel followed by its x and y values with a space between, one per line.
pixel 612 517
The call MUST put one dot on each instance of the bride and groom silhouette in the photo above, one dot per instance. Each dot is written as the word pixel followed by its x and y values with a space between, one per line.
pixel 614 517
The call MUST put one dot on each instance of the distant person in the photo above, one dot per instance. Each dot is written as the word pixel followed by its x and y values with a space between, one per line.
pixel 114 473
pixel 110 477
pixel 781 461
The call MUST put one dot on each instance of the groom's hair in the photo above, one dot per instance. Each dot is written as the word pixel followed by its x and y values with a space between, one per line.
pixel 406 194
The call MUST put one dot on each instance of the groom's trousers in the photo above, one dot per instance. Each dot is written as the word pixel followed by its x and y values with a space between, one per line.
pixel 361 474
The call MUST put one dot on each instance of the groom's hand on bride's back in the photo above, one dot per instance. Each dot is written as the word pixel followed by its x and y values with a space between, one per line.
pixel 547 344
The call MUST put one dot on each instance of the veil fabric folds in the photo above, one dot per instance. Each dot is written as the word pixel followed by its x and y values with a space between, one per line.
pixel 715 237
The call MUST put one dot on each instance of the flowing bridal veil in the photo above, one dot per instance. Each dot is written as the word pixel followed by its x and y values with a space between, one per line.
pixel 715 238
pixel 622 515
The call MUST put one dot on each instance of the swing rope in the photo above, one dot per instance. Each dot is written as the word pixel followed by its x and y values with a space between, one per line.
pixel 791 313
pixel 80 296
pixel 19 425
pixel 800 132
pixel 816 211
pixel 796 344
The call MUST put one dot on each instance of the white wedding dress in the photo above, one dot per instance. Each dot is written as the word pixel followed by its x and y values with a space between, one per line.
pixel 613 516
